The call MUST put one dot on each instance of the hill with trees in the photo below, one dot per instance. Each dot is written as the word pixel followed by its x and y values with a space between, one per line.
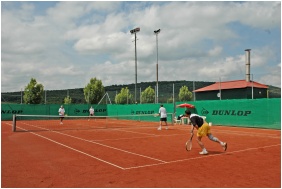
pixel 166 89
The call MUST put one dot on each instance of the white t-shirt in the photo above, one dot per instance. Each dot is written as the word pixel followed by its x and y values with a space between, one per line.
pixel 162 112
pixel 61 111
pixel 192 115
pixel 91 111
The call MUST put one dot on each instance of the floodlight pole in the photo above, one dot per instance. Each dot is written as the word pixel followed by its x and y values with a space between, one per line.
pixel 134 31
pixel 157 66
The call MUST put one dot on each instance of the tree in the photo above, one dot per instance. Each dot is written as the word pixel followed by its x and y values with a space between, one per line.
pixel 124 97
pixel 94 91
pixel 148 96
pixel 67 100
pixel 184 94
pixel 170 100
pixel 33 92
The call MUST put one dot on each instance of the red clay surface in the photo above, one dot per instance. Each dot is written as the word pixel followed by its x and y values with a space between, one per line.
pixel 139 157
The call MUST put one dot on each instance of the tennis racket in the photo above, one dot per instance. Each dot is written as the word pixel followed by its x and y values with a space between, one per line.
pixel 156 115
pixel 189 142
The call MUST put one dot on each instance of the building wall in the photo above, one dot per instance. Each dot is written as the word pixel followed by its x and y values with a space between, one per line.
pixel 244 93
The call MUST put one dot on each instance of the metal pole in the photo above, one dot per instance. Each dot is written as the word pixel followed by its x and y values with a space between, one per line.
pixel 135 67
pixel 157 68
pixel 157 65
pixel 140 96
pixel 194 90
pixel 252 87
pixel 134 31
pixel 220 88
pixel 155 95
pixel 173 93
pixel 174 108
pixel 21 96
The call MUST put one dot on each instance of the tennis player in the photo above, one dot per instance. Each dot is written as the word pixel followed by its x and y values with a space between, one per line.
pixel 61 113
pixel 163 117
pixel 203 129
pixel 91 112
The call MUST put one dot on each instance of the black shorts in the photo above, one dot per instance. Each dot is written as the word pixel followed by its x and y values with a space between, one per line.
pixel 163 119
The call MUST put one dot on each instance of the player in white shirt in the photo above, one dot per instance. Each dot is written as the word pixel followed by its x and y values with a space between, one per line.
pixel 91 112
pixel 61 113
pixel 163 117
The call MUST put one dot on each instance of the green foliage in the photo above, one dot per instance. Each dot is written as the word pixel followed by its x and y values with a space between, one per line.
pixel 170 100
pixel 124 97
pixel 148 96
pixel 165 92
pixel 94 91
pixel 67 100
pixel 33 92
pixel 184 94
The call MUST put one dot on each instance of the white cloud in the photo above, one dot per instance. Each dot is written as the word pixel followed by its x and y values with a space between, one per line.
pixel 73 41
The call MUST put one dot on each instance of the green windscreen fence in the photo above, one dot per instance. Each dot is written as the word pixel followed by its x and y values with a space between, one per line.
pixel 7 110
pixel 140 109
pixel 264 113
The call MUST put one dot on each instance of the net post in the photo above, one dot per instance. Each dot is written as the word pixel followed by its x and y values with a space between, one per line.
pixel 14 123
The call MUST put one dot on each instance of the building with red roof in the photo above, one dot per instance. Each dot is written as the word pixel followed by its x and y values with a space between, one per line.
pixel 237 89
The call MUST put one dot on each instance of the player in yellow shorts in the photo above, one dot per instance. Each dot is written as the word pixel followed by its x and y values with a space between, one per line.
pixel 203 129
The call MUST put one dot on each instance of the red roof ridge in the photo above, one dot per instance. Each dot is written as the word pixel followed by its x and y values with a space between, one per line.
pixel 235 84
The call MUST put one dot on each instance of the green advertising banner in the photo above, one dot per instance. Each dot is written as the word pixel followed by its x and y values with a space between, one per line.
pixel 264 113
pixel 7 110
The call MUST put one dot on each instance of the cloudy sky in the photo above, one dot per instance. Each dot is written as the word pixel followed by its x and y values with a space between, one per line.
pixel 65 44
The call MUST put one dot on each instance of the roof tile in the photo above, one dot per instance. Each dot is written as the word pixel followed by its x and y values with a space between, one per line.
pixel 236 84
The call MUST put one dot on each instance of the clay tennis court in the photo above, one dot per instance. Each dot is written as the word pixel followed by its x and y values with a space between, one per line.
pixel 138 157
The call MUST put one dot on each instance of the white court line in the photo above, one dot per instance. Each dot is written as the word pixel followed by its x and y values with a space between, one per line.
pixel 199 157
pixel 217 130
pixel 249 134
pixel 122 130
pixel 144 137
pixel 150 165
pixel 99 144
pixel 74 149
pixel 110 147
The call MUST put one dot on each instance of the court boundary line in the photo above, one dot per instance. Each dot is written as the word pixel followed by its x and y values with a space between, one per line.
pixel 110 147
pixel 142 166
pixel 200 157
pixel 90 141
pixel 76 150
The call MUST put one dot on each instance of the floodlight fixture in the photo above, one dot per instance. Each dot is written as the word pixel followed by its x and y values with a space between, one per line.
pixel 157 31
pixel 135 30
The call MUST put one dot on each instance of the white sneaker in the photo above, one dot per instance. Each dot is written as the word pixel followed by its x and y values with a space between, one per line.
pixel 204 152
pixel 61 123
pixel 224 146
pixel 166 128
pixel 159 128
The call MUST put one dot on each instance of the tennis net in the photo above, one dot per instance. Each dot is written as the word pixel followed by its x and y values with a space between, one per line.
pixel 49 122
